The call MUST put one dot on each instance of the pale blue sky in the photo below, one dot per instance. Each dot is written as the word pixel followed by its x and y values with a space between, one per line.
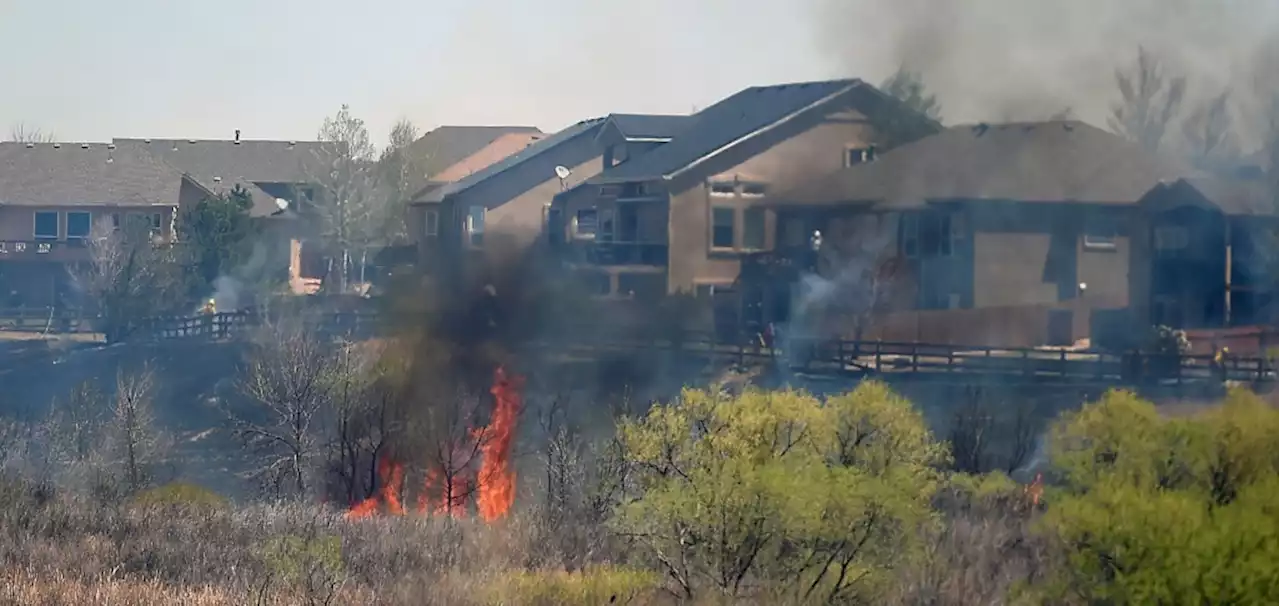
pixel 93 69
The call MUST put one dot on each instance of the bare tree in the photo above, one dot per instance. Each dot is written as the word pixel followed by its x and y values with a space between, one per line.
pixel 399 174
pixel 130 276
pixel 350 212
pixel 136 443
pixel 21 133
pixel 1207 129
pixel 1149 101
pixel 288 384
pixel 362 420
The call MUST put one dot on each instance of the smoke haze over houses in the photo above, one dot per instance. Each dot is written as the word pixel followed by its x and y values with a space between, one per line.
pixel 91 71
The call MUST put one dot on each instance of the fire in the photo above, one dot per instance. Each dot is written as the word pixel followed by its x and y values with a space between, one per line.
pixel 497 480
pixel 1035 489
pixel 494 482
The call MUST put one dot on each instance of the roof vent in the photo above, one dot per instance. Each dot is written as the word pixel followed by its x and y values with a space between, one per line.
pixel 237 136
pixel 217 179
pixel 30 145
pixel 57 146
pixel 147 141
pixel 292 143
pixel 191 141
pixel 84 146
pixel 111 146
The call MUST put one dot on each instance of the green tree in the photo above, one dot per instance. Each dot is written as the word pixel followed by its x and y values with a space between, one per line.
pixel 815 501
pixel 216 232
pixel 908 87
pixel 1157 510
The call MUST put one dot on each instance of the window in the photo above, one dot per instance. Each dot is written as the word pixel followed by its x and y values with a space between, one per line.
pixel 46 225
pixel 722 188
pixel 584 223
pixel 605 230
pixel 609 191
pixel 722 227
pixel 431 223
pixel 793 233
pixel 475 225
pixel 115 220
pixel 909 235
pixel 1170 239
pixel 634 190
pixel 1099 235
pixel 157 221
pixel 859 155
pixel 753 189
pixel 78 224
pixel 753 229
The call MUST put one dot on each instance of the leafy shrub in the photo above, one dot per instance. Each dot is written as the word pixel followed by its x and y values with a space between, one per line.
pixel 296 559
pixel 180 494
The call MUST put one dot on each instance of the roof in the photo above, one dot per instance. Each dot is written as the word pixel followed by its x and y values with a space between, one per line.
pixel 542 145
pixel 258 161
pixel 71 174
pixel 1234 197
pixel 649 126
pixel 723 124
pixel 1054 161
pixel 499 148
pixel 443 147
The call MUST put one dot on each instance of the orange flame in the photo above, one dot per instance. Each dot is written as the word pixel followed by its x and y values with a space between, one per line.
pixel 497 479
pixel 1035 489
pixel 494 484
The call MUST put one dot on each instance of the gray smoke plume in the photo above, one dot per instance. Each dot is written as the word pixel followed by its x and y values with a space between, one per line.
pixel 1006 60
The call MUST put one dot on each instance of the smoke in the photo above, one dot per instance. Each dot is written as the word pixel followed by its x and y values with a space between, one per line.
pixel 1005 60
pixel 226 293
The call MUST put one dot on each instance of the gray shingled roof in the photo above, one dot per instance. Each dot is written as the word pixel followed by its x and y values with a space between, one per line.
pixel 1234 197
pixel 249 160
pixel 725 122
pixel 549 142
pixel 68 175
pixel 448 145
pixel 649 126
pixel 1057 161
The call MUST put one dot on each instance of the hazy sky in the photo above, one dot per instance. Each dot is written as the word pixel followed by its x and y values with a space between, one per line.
pixel 93 69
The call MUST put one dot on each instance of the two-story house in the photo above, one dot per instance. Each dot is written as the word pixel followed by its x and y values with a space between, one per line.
pixel 1008 234
pixel 53 194
pixel 500 209
pixel 678 213
pixel 280 177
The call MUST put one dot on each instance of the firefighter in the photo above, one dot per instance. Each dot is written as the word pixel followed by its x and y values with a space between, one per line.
pixel 210 308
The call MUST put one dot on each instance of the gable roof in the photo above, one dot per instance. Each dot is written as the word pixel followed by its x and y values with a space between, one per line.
pixel 258 161
pixel 1054 161
pixel 730 121
pixel 443 147
pixel 542 145
pixel 1233 197
pixel 647 127
pixel 72 174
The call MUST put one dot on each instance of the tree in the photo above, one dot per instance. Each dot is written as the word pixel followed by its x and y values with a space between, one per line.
pixel 1149 101
pixel 918 114
pixel 1207 130
pixel 216 232
pixel 398 174
pixel 136 444
pixel 818 501
pixel 347 206
pixel 288 383
pixel 908 87
pixel 21 133
pixel 131 276
pixel 1168 510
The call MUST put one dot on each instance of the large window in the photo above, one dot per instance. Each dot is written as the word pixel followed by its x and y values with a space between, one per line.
pixel 722 227
pixel 431 223
pixel 753 229
pixel 79 224
pixel 475 225
pixel 46 225
pixel 585 222
pixel 931 234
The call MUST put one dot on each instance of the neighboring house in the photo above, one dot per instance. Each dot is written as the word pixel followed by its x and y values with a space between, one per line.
pixel 449 153
pixel 280 177
pixel 1019 231
pixel 52 194
pixel 682 200
pixel 501 207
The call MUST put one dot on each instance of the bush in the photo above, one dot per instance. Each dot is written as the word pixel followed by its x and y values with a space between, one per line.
pixel 603 585
pixel 1172 511
pixel 780 493
pixel 180 494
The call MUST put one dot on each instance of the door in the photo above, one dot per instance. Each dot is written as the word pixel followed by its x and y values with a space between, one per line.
pixel 1060 321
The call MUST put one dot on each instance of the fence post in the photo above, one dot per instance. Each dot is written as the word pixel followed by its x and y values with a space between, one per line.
pixel 878 342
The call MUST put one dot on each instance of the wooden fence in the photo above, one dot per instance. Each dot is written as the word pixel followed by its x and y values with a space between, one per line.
pixel 231 324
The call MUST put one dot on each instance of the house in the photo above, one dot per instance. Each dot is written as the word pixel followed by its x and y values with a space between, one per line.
pixel 681 201
pixel 280 177
pixel 500 208
pixel 1008 234
pixel 449 153
pixel 52 194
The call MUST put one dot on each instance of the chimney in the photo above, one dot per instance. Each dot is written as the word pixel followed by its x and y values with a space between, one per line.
pixel 237 136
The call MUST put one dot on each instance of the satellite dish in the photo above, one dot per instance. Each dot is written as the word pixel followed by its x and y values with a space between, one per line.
pixel 562 172
pixel 282 203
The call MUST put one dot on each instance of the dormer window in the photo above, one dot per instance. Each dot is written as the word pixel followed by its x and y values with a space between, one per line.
pixel 859 155
pixel 634 190
pixel 753 189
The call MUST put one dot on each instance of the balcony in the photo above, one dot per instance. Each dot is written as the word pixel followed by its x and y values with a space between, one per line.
pixel 615 253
